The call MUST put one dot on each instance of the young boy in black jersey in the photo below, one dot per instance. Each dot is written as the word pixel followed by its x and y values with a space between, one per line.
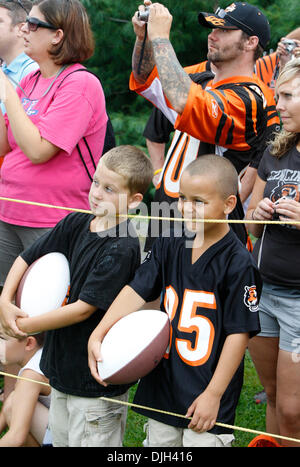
pixel 103 255
pixel 210 288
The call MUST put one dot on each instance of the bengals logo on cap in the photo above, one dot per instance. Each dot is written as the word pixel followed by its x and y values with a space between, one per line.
pixel 250 298
pixel 215 21
pixel 230 8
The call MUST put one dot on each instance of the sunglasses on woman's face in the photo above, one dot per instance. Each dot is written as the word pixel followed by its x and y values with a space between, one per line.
pixel 35 23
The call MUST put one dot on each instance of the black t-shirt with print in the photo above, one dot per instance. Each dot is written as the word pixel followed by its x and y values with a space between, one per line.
pixel 278 250
pixel 101 264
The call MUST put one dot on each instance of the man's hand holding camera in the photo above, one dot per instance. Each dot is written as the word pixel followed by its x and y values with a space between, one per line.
pixel 288 49
pixel 158 18
pixel 158 51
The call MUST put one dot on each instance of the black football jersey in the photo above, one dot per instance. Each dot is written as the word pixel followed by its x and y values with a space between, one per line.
pixel 206 301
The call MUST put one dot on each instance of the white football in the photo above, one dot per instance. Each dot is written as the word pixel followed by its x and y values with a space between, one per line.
pixel 44 285
pixel 134 346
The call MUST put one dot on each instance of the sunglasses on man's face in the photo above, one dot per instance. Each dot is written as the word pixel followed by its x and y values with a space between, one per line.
pixel 35 23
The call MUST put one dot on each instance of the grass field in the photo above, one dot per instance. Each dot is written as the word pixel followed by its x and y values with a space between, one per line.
pixel 249 414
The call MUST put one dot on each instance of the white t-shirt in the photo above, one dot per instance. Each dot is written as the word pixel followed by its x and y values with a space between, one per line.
pixel 34 365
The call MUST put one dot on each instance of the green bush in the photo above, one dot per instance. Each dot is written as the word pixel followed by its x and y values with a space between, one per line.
pixel 129 128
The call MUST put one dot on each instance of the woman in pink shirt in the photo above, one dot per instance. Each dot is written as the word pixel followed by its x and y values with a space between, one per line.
pixel 53 112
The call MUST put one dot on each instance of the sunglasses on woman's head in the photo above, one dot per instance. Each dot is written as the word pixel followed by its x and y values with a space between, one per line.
pixel 35 23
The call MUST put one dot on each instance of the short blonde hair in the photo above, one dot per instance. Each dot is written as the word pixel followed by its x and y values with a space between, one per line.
pixel 131 163
pixel 284 141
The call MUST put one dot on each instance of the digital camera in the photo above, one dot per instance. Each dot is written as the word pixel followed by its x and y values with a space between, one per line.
pixel 289 45
pixel 144 15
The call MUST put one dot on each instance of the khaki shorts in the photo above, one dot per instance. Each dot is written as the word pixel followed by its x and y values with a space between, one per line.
pixel 86 421
pixel 161 435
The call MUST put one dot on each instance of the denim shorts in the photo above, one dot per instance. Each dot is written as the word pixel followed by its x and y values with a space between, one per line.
pixel 280 317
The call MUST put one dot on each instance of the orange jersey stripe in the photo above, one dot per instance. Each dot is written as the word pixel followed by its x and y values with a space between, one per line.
pixel 265 66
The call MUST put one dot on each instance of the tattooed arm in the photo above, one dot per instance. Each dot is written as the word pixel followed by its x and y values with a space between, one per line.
pixel 147 63
pixel 175 81
pixel 159 51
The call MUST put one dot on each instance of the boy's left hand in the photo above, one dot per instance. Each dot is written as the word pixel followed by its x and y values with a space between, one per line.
pixel 204 411
pixel 9 313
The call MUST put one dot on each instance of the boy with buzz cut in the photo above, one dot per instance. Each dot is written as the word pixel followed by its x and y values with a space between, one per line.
pixel 210 288
pixel 103 255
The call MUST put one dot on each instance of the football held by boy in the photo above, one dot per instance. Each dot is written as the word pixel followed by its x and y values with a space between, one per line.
pixel 103 254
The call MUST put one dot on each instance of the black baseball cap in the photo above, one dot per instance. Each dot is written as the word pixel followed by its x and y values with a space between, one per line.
pixel 239 15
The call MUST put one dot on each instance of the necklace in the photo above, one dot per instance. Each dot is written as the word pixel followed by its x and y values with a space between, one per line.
pixel 38 73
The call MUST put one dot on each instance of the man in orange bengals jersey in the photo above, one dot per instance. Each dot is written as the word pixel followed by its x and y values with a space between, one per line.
pixel 225 112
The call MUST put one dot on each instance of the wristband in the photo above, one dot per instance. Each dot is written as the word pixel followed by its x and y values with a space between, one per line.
pixel 157 172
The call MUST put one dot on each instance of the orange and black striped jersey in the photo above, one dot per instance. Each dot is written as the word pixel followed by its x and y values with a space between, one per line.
pixel 265 69
pixel 230 113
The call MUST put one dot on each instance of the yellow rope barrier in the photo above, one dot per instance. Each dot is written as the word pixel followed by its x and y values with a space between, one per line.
pixel 224 425
pixel 24 379
pixel 141 217
pixel 43 205
pixel 131 404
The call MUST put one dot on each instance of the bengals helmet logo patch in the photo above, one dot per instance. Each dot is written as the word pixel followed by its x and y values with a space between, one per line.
pixel 218 22
pixel 250 298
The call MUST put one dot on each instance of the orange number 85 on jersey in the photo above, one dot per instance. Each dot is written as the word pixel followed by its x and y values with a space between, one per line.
pixel 189 322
